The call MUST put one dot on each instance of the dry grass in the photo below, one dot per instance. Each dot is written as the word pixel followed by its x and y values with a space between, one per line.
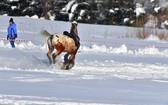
pixel 163 36
pixel 145 32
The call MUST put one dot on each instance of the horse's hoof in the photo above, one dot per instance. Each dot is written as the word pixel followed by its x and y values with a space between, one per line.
pixel 54 62
pixel 67 68
pixel 64 67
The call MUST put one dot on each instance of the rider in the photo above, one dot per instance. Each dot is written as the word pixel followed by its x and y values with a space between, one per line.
pixel 74 35
pixel 74 32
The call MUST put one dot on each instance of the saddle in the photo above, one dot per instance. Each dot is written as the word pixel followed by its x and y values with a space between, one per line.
pixel 67 34
pixel 75 38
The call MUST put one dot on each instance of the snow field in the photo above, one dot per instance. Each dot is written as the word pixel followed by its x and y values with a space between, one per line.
pixel 108 71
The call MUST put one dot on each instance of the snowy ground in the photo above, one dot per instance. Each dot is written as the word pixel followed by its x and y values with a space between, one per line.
pixel 113 71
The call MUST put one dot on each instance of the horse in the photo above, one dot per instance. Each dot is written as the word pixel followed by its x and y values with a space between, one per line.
pixel 62 43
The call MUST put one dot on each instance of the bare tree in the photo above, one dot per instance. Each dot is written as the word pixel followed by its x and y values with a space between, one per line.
pixel 47 5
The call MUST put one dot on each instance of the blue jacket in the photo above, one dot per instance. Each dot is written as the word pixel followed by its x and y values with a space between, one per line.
pixel 12 31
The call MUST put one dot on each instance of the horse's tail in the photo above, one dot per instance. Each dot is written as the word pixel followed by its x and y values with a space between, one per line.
pixel 45 33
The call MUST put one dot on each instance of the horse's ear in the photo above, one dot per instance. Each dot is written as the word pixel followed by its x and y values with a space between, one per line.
pixel 45 33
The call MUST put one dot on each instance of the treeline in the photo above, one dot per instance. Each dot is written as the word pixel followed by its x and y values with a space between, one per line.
pixel 108 12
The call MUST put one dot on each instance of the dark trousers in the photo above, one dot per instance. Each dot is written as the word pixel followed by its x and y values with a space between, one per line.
pixel 12 44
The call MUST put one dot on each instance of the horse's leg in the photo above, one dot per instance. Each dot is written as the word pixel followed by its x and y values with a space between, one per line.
pixel 66 58
pixel 48 55
pixel 55 55
pixel 70 62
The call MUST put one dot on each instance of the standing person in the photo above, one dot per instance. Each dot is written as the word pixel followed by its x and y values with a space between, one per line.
pixel 12 32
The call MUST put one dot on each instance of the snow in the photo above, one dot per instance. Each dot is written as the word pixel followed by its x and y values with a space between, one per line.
pixel 14 7
pixel 12 0
pixel 157 9
pixel 111 11
pixel 126 20
pixel 74 7
pixel 69 5
pixel 71 15
pixel 108 71
pixel 82 12
pixel 152 0
pixel 34 17
pixel 166 22
pixel 139 10
pixel 163 3
pixel 152 38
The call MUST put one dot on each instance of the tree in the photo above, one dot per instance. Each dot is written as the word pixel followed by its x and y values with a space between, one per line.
pixel 114 12
pixel 16 7
pixel 4 7
pixel 33 7
pixel 111 12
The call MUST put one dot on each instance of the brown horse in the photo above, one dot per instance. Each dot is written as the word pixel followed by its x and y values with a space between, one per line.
pixel 62 43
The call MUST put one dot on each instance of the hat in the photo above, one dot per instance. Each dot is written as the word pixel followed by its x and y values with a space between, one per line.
pixel 11 20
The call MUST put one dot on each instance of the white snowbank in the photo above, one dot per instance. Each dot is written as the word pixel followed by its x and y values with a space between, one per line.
pixel 152 38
